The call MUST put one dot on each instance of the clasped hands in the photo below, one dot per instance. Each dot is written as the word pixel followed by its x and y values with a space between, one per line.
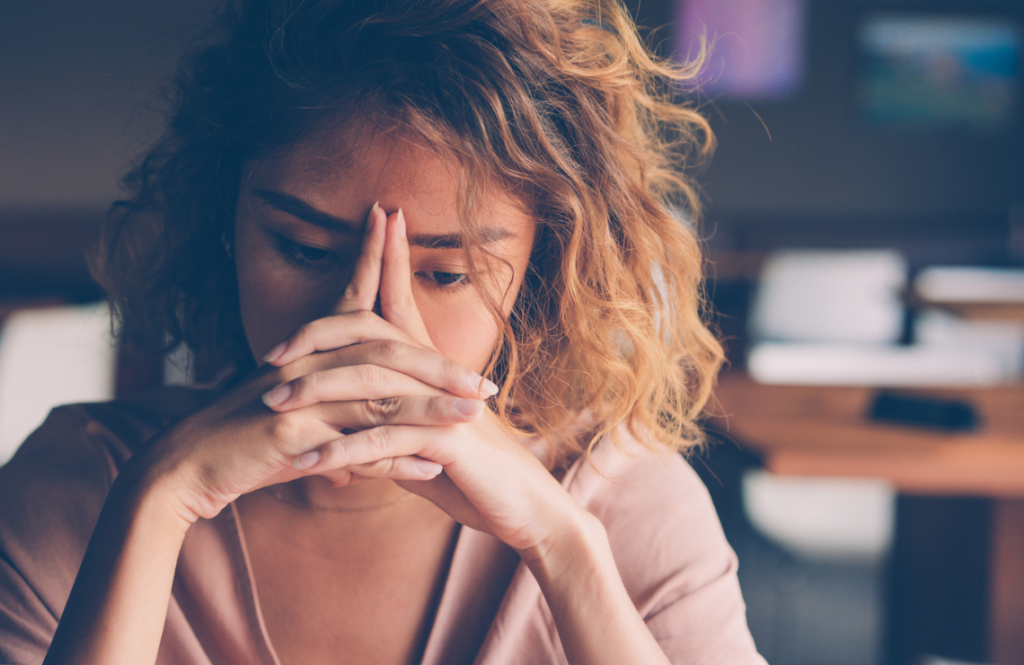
pixel 361 395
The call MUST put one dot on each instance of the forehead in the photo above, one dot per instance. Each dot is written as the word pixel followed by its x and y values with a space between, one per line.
pixel 344 170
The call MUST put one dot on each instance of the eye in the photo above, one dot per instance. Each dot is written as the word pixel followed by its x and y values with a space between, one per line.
pixel 311 254
pixel 303 255
pixel 445 280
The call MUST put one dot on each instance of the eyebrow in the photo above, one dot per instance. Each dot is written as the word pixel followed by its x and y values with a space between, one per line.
pixel 307 213
pixel 300 209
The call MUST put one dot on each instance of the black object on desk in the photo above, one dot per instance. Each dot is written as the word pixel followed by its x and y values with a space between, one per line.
pixel 918 411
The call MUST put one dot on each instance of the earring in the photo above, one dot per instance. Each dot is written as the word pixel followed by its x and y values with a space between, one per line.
pixel 229 247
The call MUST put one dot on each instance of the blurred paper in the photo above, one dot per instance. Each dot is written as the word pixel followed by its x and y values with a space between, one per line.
pixel 963 284
pixel 830 364
pixel 1003 340
pixel 830 296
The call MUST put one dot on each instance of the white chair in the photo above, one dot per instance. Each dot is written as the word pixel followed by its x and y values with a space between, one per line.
pixel 51 356
pixel 811 307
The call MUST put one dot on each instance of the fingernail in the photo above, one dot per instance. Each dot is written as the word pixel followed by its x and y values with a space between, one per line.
pixel 401 223
pixel 275 352
pixel 372 219
pixel 278 395
pixel 484 386
pixel 307 460
pixel 468 408
pixel 427 468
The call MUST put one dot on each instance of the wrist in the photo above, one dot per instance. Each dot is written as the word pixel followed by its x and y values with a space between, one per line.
pixel 593 612
pixel 147 492
pixel 578 549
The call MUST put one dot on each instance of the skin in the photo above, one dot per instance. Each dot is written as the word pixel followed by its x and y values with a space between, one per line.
pixel 375 349
pixel 331 554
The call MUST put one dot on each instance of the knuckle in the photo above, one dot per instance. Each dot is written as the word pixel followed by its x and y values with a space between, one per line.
pixel 371 376
pixel 304 333
pixel 378 441
pixel 451 368
pixel 286 428
pixel 306 387
pixel 299 368
pixel 402 303
pixel 378 468
pixel 314 384
pixel 437 407
pixel 334 452
pixel 389 350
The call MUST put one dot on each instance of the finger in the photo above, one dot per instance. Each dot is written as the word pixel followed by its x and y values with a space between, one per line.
pixel 285 475
pixel 445 494
pixel 344 384
pixel 293 434
pixel 408 467
pixel 335 332
pixel 361 292
pixel 378 443
pixel 407 410
pixel 397 304
pixel 425 365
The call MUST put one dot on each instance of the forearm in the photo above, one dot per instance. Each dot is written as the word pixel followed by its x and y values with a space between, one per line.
pixel 596 620
pixel 118 604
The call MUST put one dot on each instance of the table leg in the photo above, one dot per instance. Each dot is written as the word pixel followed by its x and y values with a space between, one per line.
pixel 1006 620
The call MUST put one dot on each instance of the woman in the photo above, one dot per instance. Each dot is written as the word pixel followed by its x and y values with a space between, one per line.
pixel 413 196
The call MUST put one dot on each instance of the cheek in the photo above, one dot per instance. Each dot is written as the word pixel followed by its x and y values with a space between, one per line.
pixel 273 303
pixel 465 332
pixel 463 328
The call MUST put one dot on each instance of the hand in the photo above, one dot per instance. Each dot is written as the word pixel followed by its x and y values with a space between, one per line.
pixel 376 374
pixel 490 481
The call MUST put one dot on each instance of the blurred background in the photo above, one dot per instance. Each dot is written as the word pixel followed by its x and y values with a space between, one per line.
pixel 865 229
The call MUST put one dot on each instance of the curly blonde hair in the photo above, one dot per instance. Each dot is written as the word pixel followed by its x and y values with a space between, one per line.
pixel 558 101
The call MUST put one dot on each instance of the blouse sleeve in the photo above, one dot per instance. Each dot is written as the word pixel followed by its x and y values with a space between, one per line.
pixel 671 552
pixel 51 493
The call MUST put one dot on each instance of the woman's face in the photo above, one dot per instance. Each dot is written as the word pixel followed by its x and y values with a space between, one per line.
pixel 298 233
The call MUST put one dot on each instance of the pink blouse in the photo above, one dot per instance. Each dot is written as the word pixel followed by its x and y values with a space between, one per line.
pixel 665 536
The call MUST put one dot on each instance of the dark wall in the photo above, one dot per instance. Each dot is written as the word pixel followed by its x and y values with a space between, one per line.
pixel 78 83
pixel 809 170
pixel 79 78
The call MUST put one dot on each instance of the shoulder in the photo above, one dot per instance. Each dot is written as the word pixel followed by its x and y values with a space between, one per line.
pixel 99 435
pixel 658 514
pixel 51 494
pixel 669 548
pixel 52 489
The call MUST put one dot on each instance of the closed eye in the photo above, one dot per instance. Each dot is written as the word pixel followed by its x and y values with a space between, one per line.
pixel 304 256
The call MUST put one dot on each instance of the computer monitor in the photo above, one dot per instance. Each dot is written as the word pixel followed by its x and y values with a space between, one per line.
pixel 939 71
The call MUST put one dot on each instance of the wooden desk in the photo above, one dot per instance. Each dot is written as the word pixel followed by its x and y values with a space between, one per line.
pixel 822 431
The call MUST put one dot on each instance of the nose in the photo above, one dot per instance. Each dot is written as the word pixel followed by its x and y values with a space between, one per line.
pixel 341 300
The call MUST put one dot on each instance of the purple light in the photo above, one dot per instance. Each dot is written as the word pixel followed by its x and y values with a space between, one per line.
pixel 757 45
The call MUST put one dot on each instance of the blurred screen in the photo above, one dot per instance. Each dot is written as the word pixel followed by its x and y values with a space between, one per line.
pixel 757 45
pixel 930 72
